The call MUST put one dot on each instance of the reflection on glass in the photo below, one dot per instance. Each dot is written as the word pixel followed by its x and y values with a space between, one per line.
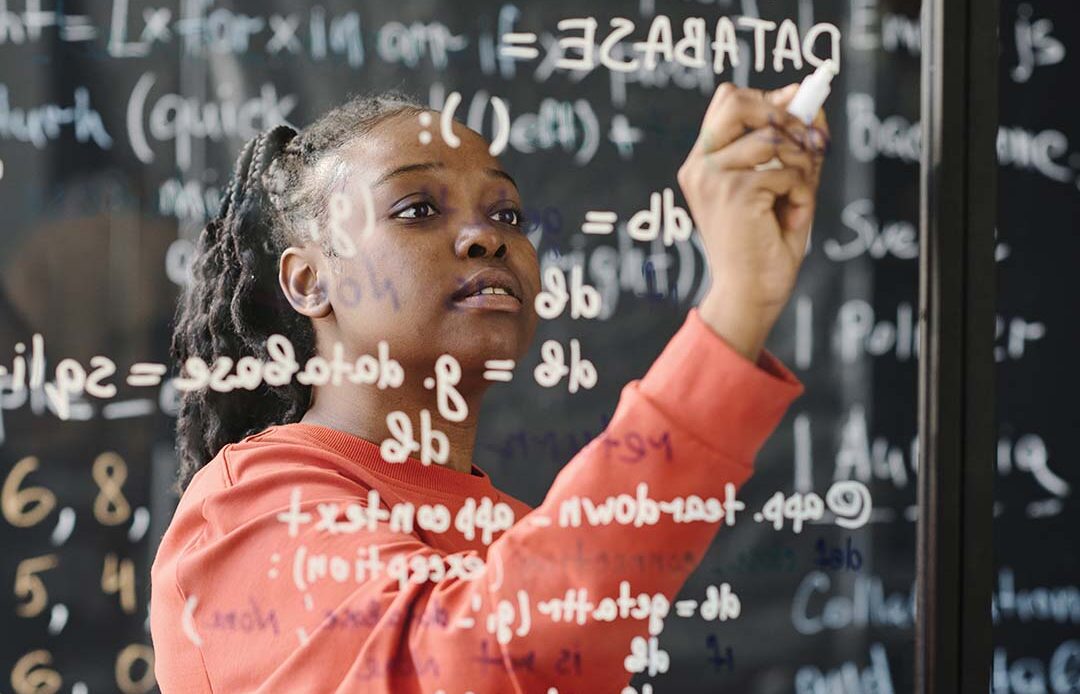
pixel 573 362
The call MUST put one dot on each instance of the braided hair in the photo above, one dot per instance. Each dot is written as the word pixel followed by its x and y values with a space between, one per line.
pixel 233 303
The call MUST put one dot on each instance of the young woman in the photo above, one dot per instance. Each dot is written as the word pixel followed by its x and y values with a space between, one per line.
pixel 303 559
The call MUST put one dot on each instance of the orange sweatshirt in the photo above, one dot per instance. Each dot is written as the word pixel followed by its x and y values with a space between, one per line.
pixel 282 572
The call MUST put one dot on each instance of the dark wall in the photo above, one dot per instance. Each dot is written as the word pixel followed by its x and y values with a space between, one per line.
pixel 1037 598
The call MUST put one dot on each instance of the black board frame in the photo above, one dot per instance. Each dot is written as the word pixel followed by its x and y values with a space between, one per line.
pixel 957 290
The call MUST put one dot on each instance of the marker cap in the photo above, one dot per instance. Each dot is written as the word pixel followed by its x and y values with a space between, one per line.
pixel 813 91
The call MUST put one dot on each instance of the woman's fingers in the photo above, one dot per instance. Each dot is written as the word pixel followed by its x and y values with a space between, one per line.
pixel 744 129
pixel 814 137
pixel 734 111
pixel 760 147
pixel 778 182
pixel 795 216
pixel 784 192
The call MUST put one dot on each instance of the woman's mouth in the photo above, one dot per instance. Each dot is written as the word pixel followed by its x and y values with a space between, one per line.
pixel 492 289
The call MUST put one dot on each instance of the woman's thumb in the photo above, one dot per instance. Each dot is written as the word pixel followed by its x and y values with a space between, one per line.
pixel 783 96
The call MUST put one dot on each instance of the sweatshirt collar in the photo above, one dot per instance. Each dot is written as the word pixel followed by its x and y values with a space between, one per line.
pixel 412 471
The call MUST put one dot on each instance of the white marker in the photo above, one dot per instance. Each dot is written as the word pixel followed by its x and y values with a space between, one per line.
pixel 812 92
pixel 807 101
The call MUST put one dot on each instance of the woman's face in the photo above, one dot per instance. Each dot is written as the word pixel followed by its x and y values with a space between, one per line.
pixel 448 230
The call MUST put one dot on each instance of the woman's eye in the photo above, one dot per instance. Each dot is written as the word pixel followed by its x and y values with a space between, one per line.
pixel 508 216
pixel 417 210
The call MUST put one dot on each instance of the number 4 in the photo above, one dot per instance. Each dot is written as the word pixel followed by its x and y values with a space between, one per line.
pixel 118 576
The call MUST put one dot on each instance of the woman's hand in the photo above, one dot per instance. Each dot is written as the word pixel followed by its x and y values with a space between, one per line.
pixel 754 224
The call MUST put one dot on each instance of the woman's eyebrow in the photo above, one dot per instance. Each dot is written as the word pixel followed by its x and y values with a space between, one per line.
pixel 408 168
pixel 432 165
pixel 499 173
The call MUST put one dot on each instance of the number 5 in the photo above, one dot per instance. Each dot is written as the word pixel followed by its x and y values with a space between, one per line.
pixel 30 586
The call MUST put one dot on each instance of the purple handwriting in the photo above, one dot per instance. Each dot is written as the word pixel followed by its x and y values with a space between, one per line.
pixel 762 559
pixel 523 662
pixel 560 446
pixel 372 614
pixel 401 665
pixel 609 563
pixel 633 446
pixel 351 292
pixel 247 620
pixel 720 661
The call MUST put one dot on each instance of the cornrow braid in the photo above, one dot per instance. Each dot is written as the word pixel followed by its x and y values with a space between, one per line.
pixel 233 302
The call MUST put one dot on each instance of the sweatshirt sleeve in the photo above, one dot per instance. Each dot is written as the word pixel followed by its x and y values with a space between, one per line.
pixel 524 618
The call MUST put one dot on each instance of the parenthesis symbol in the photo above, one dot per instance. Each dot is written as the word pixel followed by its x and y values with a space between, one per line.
pixel 706 282
pixel 369 211
pixel 590 126
pixel 497 582
pixel 187 623
pixel 136 102
pixel 446 117
pixel 502 127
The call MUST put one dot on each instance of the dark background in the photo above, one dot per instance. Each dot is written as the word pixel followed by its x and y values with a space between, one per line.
pixel 97 228
pixel 1037 632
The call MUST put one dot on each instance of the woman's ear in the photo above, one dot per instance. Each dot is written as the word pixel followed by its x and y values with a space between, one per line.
pixel 302 285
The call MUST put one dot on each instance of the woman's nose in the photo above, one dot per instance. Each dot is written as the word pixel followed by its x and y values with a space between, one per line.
pixel 479 241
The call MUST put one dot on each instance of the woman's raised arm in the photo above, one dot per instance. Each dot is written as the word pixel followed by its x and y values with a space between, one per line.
pixel 283 605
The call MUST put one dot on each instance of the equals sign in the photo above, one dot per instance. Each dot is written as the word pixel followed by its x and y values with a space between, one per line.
pixel 77 27
pixel 599 222
pixel 499 369
pixel 685 608
pixel 519 46
pixel 145 374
